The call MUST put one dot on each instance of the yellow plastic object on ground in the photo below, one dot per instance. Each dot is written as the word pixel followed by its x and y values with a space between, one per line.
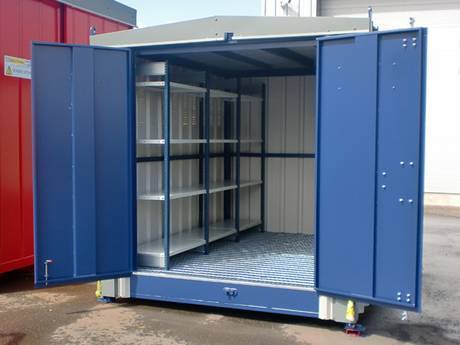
pixel 98 292
pixel 350 314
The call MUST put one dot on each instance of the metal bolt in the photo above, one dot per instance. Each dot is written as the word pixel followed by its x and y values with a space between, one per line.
pixel 399 293
pixel 399 299
pixel 404 45
pixel 339 67
pixel 410 201
pixel 339 88
pixel 384 173
pixel 384 186
pixel 401 200
pixel 414 39
pixel 404 39
pixel 408 295
pixel 408 300
pixel 393 87
pixel 401 163
pixel 414 44
pixel 411 164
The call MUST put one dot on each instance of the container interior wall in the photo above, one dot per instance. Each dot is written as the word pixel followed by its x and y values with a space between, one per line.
pixel 251 128
pixel 290 128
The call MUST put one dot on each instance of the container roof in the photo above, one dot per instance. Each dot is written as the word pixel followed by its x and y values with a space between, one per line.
pixel 241 27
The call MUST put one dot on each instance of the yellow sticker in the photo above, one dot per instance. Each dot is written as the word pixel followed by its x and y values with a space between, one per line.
pixel 17 67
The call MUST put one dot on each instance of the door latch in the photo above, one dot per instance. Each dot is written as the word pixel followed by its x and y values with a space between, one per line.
pixel 230 292
pixel 47 262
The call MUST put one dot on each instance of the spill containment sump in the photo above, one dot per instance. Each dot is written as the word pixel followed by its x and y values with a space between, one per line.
pixel 258 257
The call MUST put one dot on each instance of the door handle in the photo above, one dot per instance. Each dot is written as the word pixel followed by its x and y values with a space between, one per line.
pixel 230 292
pixel 46 263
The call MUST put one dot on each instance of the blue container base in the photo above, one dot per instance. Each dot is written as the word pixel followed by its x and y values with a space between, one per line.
pixel 238 295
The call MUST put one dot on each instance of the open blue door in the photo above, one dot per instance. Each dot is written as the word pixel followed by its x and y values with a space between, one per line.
pixel 370 119
pixel 83 163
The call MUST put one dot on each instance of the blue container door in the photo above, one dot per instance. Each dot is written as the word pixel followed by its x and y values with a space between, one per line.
pixel 370 120
pixel 83 163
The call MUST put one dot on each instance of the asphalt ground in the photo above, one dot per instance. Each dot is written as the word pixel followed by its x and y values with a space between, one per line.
pixel 71 314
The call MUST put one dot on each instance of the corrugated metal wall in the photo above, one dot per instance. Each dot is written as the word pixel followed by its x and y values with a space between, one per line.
pixel 290 182
pixel 250 167
pixel 77 24
pixel 21 22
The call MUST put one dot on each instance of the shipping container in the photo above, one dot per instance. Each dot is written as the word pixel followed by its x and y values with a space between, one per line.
pixel 257 163
pixel 21 22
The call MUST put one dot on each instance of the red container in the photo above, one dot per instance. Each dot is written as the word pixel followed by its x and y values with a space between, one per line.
pixel 23 21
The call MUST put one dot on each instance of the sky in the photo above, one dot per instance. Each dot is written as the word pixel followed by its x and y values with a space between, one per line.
pixel 155 12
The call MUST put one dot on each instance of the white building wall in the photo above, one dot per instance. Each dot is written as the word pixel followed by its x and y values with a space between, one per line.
pixel 302 8
pixel 442 18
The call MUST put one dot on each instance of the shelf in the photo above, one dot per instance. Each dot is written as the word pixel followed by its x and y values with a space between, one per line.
pixel 223 141
pixel 221 230
pixel 197 141
pixel 175 193
pixel 184 192
pixel 186 88
pixel 216 187
pixel 223 94
pixel 221 186
pixel 151 253
pixel 246 98
pixel 172 141
pixel 249 183
pixel 174 87
pixel 246 224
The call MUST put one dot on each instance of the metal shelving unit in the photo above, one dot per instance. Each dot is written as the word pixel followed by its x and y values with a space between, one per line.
pixel 171 141
pixel 157 252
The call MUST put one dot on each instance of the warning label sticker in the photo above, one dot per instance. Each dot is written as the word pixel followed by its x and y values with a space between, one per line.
pixel 17 67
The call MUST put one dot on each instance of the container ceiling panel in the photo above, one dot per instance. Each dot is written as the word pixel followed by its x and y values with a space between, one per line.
pixel 272 58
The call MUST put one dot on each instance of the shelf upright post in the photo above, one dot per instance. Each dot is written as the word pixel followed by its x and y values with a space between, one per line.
pixel 262 161
pixel 166 166
pixel 201 156
pixel 207 115
pixel 237 159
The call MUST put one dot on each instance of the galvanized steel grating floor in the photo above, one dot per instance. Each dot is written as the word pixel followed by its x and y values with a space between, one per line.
pixel 259 257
